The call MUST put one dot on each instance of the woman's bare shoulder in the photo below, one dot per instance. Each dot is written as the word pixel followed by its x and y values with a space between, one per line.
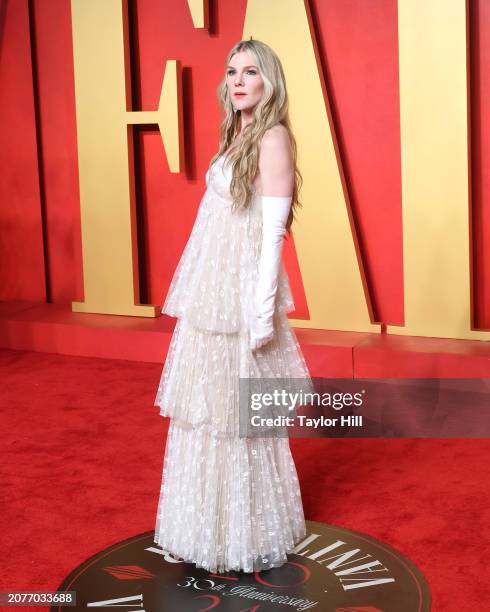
pixel 275 147
pixel 275 162
pixel 276 137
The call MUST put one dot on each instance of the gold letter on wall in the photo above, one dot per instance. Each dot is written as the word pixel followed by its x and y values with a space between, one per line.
pixel 330 267
pixel 105 154
pixel 435 165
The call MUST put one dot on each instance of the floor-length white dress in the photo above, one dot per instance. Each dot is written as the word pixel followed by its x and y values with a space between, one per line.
pixel 226 502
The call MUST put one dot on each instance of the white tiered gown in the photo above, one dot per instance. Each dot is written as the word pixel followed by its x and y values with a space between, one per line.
pixel 226 502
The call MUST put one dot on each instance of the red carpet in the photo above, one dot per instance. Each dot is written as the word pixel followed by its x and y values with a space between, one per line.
pixel 82 465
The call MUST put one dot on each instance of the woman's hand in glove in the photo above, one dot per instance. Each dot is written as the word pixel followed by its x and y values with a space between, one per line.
pixel 261 331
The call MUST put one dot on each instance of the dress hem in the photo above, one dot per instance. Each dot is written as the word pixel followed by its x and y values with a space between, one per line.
pixel 221 569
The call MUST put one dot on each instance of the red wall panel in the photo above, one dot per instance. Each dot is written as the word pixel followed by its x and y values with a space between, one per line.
pixel 358 44
pixel 21 228
pixel 479 34
pixel 57 134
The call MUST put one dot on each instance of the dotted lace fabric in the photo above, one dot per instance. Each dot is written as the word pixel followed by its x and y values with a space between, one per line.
pixel 213 283
pixel 226 503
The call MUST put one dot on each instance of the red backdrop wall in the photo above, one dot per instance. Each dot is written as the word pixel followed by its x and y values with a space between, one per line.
pixel 40 246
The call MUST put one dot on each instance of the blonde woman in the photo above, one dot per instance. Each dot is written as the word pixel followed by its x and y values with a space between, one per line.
pixel 230 503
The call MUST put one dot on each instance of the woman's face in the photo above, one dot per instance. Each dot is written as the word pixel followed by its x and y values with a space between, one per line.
pixel 245 85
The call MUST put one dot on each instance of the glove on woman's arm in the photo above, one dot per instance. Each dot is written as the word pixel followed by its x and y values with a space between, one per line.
pixel 275 212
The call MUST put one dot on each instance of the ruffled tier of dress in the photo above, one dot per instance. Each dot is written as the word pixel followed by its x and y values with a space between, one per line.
pixel 200 381
pixel 228 504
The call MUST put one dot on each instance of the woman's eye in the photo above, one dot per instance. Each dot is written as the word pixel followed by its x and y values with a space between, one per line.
pixel 230 72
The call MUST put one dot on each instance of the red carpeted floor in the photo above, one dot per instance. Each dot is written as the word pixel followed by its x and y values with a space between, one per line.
pixel 82 460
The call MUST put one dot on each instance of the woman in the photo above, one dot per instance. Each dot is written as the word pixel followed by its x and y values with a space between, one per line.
pixel 229 502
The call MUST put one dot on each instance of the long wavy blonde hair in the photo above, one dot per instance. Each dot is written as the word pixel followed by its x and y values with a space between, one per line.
pixel 272 109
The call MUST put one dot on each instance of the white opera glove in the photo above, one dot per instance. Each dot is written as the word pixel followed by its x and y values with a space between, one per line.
pixel 275 213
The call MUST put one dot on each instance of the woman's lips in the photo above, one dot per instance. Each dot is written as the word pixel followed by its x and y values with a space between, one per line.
pixel 239 94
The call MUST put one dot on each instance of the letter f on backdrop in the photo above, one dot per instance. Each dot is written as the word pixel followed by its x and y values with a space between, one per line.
pixel 105 154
